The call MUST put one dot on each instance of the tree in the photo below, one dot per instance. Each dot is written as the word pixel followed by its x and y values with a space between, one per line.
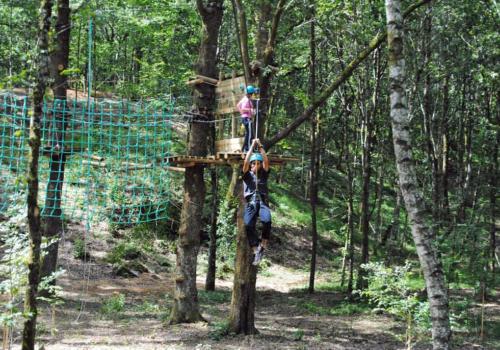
pixel 431 266
pixel 315 152
pixel 185 307
pixel 35 234
pixel 52 210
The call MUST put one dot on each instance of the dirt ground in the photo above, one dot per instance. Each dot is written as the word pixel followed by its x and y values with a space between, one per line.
pixel 282 319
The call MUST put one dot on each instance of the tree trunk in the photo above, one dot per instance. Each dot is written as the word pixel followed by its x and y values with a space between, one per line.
pixel 445 203
pixel 52 210
pixel 465 200
pixel 392 231
pixel 314 154
pixel 368 117
pixel 212 251
pixel 30 302
pixel 493 195
pixel 431 266
pixel 242 313
pixel 379 200
pixel 350 205
pixel 185 307
pixel 428 114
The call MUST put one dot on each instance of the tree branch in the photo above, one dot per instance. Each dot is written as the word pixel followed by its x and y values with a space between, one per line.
pixel 243 32
pixel 274 32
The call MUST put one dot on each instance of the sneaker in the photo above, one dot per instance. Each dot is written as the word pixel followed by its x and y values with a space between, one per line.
pixel 258 256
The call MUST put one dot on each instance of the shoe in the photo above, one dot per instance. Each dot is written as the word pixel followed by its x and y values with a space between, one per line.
pixel 258 256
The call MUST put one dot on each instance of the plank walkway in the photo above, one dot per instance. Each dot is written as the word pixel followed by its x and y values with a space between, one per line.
pixel 222 158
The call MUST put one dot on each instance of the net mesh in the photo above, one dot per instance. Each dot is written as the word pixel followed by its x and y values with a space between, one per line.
pixel 98 159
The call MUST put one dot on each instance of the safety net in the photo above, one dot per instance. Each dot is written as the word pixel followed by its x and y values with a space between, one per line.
pixel 99 159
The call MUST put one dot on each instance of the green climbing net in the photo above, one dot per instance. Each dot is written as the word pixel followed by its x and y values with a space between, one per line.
pixel 98 159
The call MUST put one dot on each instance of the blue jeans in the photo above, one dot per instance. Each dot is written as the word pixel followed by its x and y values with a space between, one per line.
pixel 247 122
pixel 252 210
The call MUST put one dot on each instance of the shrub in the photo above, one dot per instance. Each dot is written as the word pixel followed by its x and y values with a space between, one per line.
pixel 389 289
pixel 113 305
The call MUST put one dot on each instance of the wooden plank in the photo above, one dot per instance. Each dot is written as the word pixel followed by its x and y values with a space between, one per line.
pixel 207 79
pixel 229 145
pixel 194 82
pixel 228 93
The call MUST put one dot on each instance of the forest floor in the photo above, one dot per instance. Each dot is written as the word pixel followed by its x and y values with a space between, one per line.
pixel 102 311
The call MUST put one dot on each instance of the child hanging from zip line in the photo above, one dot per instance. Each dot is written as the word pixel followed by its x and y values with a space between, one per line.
pixel 255 174
pixel 247 111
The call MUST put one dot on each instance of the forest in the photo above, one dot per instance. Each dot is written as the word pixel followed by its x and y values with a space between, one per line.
pixel 133 182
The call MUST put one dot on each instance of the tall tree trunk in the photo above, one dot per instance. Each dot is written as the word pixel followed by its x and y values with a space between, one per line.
pixel 52 209
pixel 379 200
pixel 242 313
pixel 30 302
pixel 465 200
pixel 185 307
pixel 392 230
pixel 368 117
pixel 212 251
pixel 493 195
pixel 314 153
pixel 241 23
pixel 350 223
pixel 350 202
pixel 431 266
pixel 428 114
pixel 445 203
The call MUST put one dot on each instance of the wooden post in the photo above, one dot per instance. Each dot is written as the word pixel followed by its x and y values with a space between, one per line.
pixel 219 125
pixel 234 120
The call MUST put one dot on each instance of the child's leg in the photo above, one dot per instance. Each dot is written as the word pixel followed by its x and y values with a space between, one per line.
pixel 265 218
pixel 248 130
pixel 250 220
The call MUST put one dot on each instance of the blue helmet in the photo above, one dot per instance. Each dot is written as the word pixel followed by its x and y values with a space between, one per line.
pixel 250 89
pixel 256 156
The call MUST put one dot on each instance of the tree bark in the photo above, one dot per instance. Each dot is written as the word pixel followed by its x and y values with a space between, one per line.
pixel 212 251
pixel 362 283
pixel 350 221
pixel 242 313
pixel 379 200
pixel 185 307
pixel 493 170
pixel 431 266
pixel 241 24
pixel 52 210
pixel 30 302
pixel 429 115
pixel 313 199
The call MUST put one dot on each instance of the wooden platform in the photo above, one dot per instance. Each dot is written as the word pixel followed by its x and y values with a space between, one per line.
pixel 223 158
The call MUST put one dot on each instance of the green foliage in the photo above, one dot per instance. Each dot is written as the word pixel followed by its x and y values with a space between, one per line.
pixel 148 307
pixel 226 237
pixel 113 306
pixel 298 334
pixel 79 249
pixel 389 289
pixel 14 268
pixel 341 309
pixel 219 330
pixel 123 251
pixel 214 297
